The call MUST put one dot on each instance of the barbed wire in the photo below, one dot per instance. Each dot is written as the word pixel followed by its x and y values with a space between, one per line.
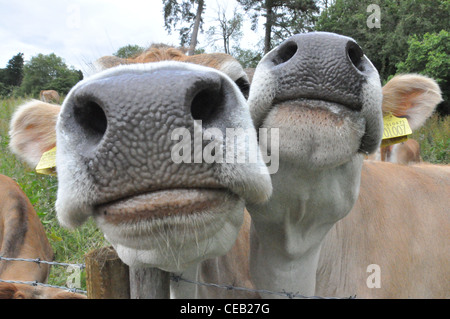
pixel 290 295
pixel 173 277
pixel 39 261
pixel 36 283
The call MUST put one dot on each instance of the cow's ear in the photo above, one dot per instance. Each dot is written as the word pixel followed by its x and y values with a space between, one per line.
pixel 412 96
pixel 33 130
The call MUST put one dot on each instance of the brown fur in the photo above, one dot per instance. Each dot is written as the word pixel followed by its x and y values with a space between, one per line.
pixel 49 96
pixel 20 291
pixel 414 97
pixel 400 222
pixel 156 54
pixel 232 268
pixel 32 130
pixel 405 153
pixel 22 236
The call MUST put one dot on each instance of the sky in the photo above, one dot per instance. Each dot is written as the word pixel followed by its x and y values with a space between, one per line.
pixel 81 31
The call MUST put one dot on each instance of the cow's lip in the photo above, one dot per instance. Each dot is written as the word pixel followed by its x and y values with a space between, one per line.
pixel 331 106
pixel 332 112
pixel 162 204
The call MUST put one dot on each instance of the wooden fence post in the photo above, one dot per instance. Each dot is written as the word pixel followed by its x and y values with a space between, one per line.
pixel 107 277
pixel 149 283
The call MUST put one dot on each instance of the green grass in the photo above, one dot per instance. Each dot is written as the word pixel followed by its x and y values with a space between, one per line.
pixel 69 246
pixel 434 140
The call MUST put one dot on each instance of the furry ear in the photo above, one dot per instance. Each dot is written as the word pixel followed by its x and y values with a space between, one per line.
pixel 33 130
pixel 412 96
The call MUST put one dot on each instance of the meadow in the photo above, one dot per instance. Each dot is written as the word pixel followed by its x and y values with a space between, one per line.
pixel 70 246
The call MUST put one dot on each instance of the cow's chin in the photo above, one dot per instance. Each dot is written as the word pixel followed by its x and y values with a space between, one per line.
pixel 316 134
pixel 174 229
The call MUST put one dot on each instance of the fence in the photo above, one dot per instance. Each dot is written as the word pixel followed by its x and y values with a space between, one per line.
pixel 36 283
pixel 107 277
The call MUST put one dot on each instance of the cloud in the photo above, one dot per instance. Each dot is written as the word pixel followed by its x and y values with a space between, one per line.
pixel 79 31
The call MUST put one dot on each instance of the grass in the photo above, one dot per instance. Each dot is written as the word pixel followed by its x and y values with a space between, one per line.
pixel 70 246
pixel 434 140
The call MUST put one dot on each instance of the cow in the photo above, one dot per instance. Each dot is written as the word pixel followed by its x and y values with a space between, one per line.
pixel 414 97
pixel 49 96
pixel 332 215
pixel 325 98
pixel 180 217
pixel 23 236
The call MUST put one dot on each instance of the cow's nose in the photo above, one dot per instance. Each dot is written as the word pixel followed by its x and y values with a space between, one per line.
pixel 318 65
pixel 133 103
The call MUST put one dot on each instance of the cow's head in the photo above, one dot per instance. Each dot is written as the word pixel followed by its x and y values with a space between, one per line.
pixel 324 95
pixel 117 134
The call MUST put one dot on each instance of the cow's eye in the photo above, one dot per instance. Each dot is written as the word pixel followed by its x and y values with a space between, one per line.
pixel 244 86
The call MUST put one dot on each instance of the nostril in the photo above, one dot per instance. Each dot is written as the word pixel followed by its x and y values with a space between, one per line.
pixel 206 104
pixel 355 54
pixel 285 53
pixel 91 118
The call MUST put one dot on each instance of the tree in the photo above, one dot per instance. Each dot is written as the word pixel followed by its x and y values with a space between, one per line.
pixel 247 58
pixel 48 72
pixel 430 55
pixel 14 70
pixel 12 75
pixel 226 29
pixel 283 17
pixel 175 12
pixel 386 46
pixel 129 51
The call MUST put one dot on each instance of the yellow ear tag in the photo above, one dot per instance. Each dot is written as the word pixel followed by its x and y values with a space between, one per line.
pixel 396 130
pixel 47 163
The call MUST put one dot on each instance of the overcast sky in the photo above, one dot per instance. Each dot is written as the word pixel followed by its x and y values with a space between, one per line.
pixel 81 31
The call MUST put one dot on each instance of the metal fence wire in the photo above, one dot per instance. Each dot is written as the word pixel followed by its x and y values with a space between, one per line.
pixel 174 278
pixel 36 283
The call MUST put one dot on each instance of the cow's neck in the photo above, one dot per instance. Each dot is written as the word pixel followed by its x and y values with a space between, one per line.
pixel 287 232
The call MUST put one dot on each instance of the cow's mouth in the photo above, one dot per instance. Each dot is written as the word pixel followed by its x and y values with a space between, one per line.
pixel 334 108
pixel 318 112
pixel 162 204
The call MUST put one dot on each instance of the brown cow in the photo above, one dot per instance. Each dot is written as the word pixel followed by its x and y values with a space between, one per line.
pixel 325 97
pixel 198 209
pixel 337 225
pixel 23 236
pixel 49 96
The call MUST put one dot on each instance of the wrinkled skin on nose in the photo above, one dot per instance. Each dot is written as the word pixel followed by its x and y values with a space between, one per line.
pixel 115 148
pixel 128 147
pixel 324 95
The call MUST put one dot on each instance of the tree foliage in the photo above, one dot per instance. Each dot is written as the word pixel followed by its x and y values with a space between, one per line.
pixel 430 55
pixel 129 51
pixel 12 75
pixel 187 14
pixel 247 57
pixel 388 45
pixel 283 18
pixel 226 29
pixel 48 72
